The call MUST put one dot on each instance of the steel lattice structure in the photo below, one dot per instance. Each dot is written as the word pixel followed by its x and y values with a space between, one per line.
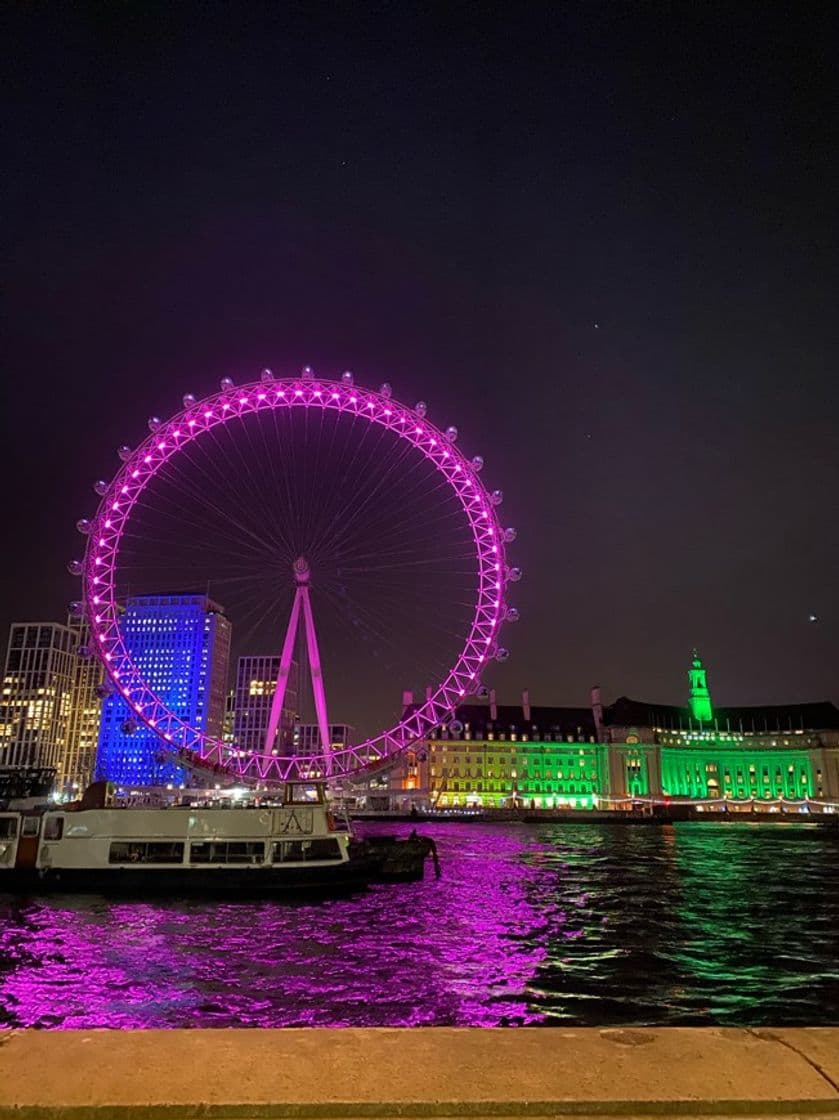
pixel 167 439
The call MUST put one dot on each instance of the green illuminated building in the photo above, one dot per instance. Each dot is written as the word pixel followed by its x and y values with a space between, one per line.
pixel 700 697
pixel 505 755
pixel 606 756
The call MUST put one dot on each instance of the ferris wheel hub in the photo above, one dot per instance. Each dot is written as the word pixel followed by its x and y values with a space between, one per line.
pixel 301 569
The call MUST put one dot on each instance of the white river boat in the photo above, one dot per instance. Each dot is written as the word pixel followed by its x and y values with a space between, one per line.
pixel 291 847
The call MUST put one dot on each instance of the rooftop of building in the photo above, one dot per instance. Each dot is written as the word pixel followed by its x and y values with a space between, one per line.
pixel 479 717
pixel 176 599
pixel 820 715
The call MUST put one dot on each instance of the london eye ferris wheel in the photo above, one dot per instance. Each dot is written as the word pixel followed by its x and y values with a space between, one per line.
pixel 264 491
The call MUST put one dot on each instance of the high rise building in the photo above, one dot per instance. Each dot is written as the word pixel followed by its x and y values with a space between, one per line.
pixel 229 717
pixel 306 737
pixel 181 645
pixel 37 693
pixel 51 705
pixel 79 757
pixel 256 683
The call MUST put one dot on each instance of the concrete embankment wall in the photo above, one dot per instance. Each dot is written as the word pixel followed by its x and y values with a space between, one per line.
pixel 427 1072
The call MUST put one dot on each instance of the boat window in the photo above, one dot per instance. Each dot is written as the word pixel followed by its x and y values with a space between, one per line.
pixel 299 793
pixel 31 826
pixel 53 828
pixel 8 828
pixel 300 851
pixel 227 851
pixel 139 851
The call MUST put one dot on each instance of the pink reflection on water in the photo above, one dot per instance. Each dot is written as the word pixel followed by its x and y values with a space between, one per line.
pixel 454 951
pixel 582 924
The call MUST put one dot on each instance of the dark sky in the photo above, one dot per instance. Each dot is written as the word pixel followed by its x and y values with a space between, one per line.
pixel 600 238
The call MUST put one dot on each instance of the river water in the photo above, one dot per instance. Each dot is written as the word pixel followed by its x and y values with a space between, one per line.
pixel 575 924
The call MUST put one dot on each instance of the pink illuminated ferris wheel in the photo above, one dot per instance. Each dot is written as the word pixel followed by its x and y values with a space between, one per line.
pixel 265 491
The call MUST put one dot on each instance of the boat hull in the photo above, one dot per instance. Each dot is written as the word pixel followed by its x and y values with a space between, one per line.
pixel 179 882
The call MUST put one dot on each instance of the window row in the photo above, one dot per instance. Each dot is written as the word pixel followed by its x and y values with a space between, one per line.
pixel 224 851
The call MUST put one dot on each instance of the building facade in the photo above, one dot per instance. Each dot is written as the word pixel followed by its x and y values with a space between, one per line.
pixel 256 683
pixel 181 645
pixel 505 756
pixel 500 756
pixel 79 759
pixel 37 694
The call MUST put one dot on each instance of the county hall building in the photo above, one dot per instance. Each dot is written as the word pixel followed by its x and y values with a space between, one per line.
pixel 493 755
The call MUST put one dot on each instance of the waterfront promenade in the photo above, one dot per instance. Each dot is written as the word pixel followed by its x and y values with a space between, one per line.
pixel 325 1074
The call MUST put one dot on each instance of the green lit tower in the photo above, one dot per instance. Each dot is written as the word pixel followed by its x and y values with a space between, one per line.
pixel 700 697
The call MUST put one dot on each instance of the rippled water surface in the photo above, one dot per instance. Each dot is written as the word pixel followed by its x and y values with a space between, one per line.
pixel 573 924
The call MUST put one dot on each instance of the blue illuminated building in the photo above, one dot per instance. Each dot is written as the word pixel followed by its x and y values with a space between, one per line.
pixel 181 645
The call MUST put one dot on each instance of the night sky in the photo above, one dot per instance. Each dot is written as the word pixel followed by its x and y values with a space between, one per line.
pixel 599 238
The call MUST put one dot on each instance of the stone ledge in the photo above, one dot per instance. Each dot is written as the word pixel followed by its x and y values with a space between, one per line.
pixel 425 1072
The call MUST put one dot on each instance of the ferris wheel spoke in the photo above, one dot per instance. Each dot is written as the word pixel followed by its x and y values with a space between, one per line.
pixel 234 545
pixel 391 606
pixel 402 520
pixel 374 627
pixel 410 540
pixel 257 616
pixel 279 531
pixel 376 456
pixel 244 497
pixel 225 514
pixel 217 471
pixel 344 504
pixel 274 456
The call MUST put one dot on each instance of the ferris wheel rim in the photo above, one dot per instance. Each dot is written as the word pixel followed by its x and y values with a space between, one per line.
pixel 105 531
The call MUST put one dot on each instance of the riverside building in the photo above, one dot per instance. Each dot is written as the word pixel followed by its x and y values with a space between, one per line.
pixel 256 683
pixel 612 756
pixel 51 704
pixel 79 758
pixel 181 645
pixel 37 692
pixel 306 737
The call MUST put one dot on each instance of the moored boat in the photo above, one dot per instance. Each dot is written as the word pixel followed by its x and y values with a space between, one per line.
pixel 293 846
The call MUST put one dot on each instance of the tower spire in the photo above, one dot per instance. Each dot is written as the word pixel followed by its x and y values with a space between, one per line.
pixel 700 697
